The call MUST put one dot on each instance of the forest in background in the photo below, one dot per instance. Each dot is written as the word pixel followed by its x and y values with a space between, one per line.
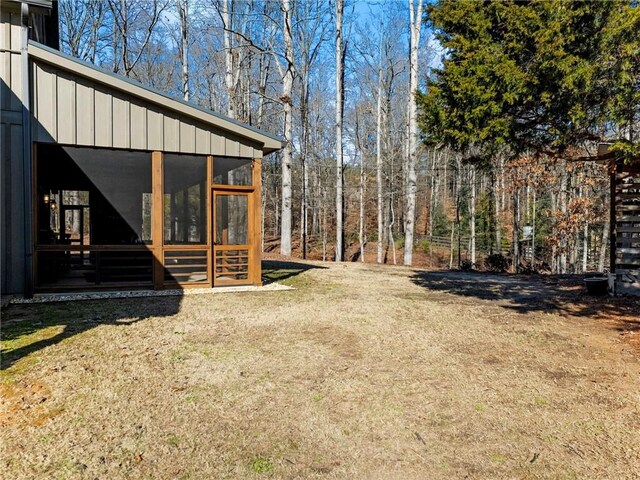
pixel 481 168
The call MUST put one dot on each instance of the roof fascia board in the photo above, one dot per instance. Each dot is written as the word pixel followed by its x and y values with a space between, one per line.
pixel 65 62
pixel 34 3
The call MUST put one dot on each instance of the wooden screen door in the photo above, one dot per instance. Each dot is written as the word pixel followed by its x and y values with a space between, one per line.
pixel 231 238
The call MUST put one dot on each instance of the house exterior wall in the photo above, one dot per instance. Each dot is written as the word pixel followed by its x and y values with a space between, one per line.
pixel 72 110
pixel 12 251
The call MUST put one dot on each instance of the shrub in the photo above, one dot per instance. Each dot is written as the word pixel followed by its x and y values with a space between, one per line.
pixel 496 262
pixel 424 245
pixel 466 266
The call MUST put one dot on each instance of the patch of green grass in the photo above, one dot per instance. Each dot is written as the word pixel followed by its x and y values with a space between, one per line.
pixel 316 398
pixel 172 440
pixel 15 337
pixel 47 437
pixel 479 407
pixel 497 458
pixel 540 401
pixel 261 464
pixel 177 357
pixel 191 398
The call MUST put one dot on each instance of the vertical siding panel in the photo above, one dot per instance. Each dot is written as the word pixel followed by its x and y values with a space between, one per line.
pixel 203 141
pixel 5 72
pixel 217 144
pixel 138 127
pixel 5 59
pixel 104 119
pixel 155 130
pixel 121 123
pixel 16 203
pixel 66 110
pixel 187 137
pixel 85 112
pixel 246 151
pixel 15 104
pixel 171 134
pixel 45 99
pixel 13 39
pixel 5 30
pixel 231 147
pixel 15 27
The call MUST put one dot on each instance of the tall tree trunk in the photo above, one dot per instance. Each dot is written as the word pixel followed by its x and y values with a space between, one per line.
pixel 496 212
pixel 603 245
pixel 392 242
pixel 453 229
pixel 516 230
pixel 585 248
pixel 472 217
pixel 533 227
pixel 304 119
pixel 415 20
pixel 287 152
pixel 363 186
pixel 380 206
pixel 339 117
pixel 183 10
pixel 564 177
pixel 228 58
pixel 457 197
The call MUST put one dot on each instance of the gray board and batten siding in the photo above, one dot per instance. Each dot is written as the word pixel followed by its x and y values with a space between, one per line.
pixel 12 252
pixel 75 103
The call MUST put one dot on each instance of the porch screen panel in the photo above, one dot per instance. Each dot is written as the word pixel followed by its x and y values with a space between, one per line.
pixel 185 200
pixel 232 171
pixel 93 218
pixel 232 220
pixel 119 185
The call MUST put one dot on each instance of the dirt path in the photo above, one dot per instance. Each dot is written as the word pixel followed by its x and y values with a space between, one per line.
pixel 362 372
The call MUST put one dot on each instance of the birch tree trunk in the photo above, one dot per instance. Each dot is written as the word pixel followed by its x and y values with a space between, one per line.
pixel 415 20
pixel 496 206
pixel 603 245
pixel 339 118
pixel 228 58
pixel 585 248
pixel 363 186
pixel 533 228
pixel 564 177
pixel 472 219
pixel 380 206
pixel 287 151
pixel 516 230
pixel 183 11
pixel 458 189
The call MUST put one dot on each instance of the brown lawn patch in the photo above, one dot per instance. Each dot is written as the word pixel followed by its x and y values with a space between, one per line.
pixel 362 372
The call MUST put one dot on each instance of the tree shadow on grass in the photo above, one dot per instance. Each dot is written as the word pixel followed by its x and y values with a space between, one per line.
pixel 561 294
pixel 282 270
pixel 28 328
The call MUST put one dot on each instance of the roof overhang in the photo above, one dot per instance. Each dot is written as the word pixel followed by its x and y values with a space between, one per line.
pixel 47 4
pixel 270 143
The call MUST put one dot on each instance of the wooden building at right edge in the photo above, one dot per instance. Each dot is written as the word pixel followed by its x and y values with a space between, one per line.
pixel 624 276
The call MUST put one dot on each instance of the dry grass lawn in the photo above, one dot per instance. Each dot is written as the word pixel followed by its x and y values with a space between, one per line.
pixel 362 372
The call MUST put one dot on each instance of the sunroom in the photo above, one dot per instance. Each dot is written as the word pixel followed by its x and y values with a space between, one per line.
pixel 134 189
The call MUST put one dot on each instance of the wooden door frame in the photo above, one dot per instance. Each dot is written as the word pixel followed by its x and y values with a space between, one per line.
pixel 254 223
pixel 248 193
